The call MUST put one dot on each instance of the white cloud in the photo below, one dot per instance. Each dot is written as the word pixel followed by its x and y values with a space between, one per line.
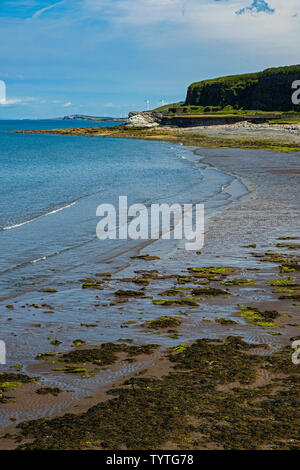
pixel 10 102
pixel 204 20
pixel 21 101
pixel 38 13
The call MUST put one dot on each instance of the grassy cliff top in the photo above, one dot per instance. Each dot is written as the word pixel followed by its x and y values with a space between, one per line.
pixel 250 76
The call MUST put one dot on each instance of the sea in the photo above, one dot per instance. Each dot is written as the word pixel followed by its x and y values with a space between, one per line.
pixel 51 186
pixel 50 189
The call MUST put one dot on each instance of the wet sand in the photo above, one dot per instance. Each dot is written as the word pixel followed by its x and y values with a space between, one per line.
pixel 265 212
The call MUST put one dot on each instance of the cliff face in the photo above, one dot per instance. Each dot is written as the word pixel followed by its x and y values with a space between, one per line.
pixel 270 90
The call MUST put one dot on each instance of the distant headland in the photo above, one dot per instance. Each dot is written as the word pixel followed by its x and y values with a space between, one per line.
pixel 83 117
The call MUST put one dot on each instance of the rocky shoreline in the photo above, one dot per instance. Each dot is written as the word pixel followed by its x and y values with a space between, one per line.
pixel 232 384
pixel 241 134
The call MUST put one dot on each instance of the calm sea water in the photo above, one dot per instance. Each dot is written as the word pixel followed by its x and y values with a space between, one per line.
pixel 51 185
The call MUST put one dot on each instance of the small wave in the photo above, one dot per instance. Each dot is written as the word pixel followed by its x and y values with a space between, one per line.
pixel 46 257
pixel 54 211
pixel 38 259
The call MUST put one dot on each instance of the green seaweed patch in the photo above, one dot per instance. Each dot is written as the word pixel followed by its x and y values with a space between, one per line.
pixel 55 391
pixel 209 291
pixel 283 282
pixel 92 284
pixel 170 292
pixel 141 281
pixel 106 354
pixel 49 291
pixel 271 257
pixel 75 370
pixel 145 257
pixel 45 356
pixel 263 319
pixel 10 385
pixel 239 282
pixel 180 348
pixel 78 342
pixel 163 322
pixel 129 293
pixel 11 381
pixel 288 238
pixel 175 302
pixel 290 297
pixel 211 271
pixel 151 274
pixel 284 290
pixel 225 321
pixel 289 267
pixel 205 401
pixel 289 246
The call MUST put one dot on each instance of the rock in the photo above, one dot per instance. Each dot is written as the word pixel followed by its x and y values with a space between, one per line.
pixel 144 119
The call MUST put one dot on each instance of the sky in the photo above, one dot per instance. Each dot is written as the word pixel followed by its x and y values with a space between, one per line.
pixel 108 57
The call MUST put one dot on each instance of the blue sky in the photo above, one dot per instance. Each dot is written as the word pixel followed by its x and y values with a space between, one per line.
pixel 107 57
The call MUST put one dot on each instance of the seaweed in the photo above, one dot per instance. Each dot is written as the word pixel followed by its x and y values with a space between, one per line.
pixel 225 321
pixel 290 297
pixel 105 354
pixel 92 284
pixel 78 342
pixel 48 391
pixel 211 271
pixel 145 257
pixel 11 381
pixel 264 319
pixel 209 291
pixel 189 407
pixel 163 322
pixel 283 282
pixel 239 282
pixel 289 246
pixel 175 302
pixel 141 281
pixel 289 267
pixel 129 293
pixel 271 257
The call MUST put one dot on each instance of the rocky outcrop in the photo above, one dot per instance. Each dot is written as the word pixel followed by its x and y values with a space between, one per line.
pixel 270 90
pixel 144 119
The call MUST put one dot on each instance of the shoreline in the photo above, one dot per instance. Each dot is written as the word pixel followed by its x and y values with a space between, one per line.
pixel 218 252
pixel 283 139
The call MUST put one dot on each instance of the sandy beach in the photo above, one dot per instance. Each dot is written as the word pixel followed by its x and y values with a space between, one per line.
pixel 243 284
